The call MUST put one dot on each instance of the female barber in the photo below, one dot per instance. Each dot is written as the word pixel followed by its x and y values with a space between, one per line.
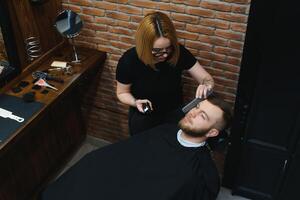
pixel 150 74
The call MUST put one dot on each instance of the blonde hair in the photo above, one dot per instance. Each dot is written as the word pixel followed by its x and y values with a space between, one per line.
pixel 153 26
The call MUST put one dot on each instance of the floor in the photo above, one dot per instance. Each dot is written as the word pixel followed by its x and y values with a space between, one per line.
pixel 93 143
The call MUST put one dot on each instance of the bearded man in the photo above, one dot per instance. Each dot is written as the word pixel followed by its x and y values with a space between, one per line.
pixel 167 162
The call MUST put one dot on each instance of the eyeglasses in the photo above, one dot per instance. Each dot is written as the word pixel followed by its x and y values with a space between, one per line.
pixel 157 52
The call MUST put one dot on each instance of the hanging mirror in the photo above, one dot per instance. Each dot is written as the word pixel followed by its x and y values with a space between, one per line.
pixel 69 24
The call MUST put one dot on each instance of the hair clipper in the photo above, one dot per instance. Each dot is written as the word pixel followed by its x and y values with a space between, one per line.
pixel 146 108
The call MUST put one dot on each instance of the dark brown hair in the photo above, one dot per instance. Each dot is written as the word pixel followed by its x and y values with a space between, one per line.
pixel 225 107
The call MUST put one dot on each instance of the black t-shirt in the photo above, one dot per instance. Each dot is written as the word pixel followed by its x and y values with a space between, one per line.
pixel 162 86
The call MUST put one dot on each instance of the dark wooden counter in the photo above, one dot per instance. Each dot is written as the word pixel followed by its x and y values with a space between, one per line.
pixel 36 152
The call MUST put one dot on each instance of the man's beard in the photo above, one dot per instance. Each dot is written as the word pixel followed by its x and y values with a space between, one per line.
pixel 191 132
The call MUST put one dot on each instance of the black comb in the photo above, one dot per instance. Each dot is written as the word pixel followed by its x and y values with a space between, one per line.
pixel 194 103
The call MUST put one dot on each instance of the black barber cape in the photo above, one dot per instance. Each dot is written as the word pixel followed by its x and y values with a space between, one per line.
pixel 149 166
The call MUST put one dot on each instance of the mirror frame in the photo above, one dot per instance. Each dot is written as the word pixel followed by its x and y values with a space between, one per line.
pixel 71 35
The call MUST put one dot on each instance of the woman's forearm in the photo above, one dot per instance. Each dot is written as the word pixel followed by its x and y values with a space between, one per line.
pixel 127 98
pixel 201 75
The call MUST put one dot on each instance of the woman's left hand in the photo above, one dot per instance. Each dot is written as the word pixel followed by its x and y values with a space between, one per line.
pixel 202 90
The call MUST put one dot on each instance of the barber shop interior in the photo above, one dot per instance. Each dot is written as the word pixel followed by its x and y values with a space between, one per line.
pixel 149 100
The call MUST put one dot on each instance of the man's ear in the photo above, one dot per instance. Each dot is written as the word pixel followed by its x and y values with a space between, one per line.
pixel 212 133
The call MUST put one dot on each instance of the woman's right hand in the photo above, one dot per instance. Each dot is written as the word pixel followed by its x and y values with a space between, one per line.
pixel 125 96
pixel 139 104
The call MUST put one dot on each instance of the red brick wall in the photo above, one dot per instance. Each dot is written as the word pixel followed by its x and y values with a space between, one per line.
pixel 213 30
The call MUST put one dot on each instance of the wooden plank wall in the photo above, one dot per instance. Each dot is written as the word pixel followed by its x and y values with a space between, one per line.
pixel 34 20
